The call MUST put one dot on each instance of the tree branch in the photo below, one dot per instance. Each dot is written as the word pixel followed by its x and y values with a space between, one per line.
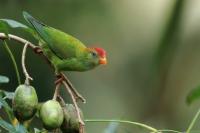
pixel 81 122
pixel 76 93
pixel 18 39
pixel 57 91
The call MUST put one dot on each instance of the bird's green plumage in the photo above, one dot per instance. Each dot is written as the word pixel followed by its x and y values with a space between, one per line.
pixel 64 51
pixel 66 45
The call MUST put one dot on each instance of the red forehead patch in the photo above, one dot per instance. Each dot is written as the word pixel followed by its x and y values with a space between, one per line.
pixel 101 52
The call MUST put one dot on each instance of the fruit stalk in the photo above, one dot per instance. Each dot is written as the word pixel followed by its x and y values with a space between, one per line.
pixel 28 77
pixel 57 91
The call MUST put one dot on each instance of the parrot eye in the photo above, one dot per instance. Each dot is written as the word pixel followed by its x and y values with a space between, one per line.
pixel 93 54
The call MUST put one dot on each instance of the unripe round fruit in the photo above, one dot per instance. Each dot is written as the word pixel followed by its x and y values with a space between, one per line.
pixel 71 122
pixel 51 114
pixel 25 102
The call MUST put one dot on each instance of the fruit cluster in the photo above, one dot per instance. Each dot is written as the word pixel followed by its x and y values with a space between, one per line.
pixel 53 115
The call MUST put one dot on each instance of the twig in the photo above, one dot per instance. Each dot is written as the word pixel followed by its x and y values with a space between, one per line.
pixel 18 39
pixel 61 101
pixel 124 121
pixel 28 77
pixel 57 91
pixel 81 129
pixel 193 122
pixel 169 131
pixel 75 92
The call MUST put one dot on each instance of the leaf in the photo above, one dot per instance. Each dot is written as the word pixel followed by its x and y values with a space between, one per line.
pixel 9 23
pixel 4 79
pixel 21 129
pixel 1 105
pixel 193 95
pixel 14 24
pixel 5 125
pixel 4 28
pixel 8 95
pixel 5 95
pixel 36 130
pixel 7 109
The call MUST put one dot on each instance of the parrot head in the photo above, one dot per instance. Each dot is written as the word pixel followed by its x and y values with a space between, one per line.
pixel 102 55
pixel 96 56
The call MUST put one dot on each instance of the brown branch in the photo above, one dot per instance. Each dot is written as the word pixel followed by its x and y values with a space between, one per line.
pixel 78 95
pixel 81 129
pixel 18 39
pixel 57 91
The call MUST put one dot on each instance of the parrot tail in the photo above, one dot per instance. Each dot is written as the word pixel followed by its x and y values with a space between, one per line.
pixel 37 26
pixel 31 20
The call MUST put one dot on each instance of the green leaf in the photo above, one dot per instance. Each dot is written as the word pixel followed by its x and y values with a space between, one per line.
pixel 9 95
pixel 4 28
pixel 193 95
pixel 1 105
pixel 4 79
pixel 5 125
pixel 13 23
pixel 6 94
pixel 36 130
pixel 7 109
pixel 21 129
pixel 8 23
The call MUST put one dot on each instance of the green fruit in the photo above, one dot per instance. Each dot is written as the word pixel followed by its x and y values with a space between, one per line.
pixel 51 114
pixel 25 102
pixel 71 122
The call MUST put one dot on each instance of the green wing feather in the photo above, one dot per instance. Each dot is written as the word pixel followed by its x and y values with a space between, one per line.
pixel 62 44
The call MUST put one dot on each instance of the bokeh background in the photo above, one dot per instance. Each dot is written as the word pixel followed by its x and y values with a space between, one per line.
pixel 153 49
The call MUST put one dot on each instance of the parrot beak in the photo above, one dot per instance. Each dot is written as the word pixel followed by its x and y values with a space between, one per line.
pixel 103 61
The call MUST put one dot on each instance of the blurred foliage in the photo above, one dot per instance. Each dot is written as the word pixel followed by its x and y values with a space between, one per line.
pixel 193 95
pixel 3 79
pixel 3 28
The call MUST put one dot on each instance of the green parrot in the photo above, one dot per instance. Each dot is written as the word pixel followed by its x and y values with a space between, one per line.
pixel 65 52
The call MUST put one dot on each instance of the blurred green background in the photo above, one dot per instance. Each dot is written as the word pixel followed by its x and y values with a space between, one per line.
pixel 153 52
